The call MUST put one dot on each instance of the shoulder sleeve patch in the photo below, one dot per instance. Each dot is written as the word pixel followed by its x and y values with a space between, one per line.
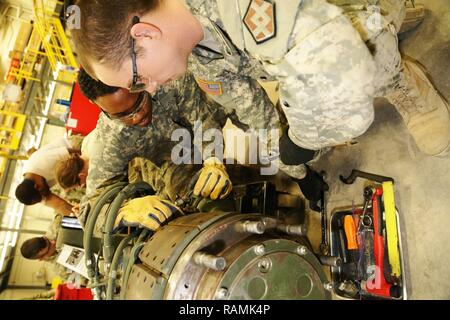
pixel 260 20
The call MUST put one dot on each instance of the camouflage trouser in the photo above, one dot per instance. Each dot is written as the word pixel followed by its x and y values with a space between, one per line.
pixel 388 61
pixel 383 46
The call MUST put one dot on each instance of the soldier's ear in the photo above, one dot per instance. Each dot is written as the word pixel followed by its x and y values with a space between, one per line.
pixel 145 30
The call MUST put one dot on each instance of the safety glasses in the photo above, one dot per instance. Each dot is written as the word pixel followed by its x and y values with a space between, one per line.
pixel 137 84
pixel 141 101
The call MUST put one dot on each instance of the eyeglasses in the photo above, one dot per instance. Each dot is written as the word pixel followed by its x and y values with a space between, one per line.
pixel 137 85
pixel 137 107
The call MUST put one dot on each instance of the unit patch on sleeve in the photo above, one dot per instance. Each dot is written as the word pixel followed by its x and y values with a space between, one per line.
pixel 210 87
pixel 260 20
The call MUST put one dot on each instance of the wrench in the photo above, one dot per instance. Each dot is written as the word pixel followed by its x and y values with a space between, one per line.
pixel 324 246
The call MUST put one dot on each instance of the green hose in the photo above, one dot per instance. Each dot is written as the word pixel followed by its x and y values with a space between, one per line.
pixel 115 261
pixel 89 229
pixel 126 193
pixel 133 256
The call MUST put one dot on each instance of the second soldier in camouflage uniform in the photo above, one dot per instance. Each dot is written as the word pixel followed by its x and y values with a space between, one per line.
pixel 330 64
pixel 178 106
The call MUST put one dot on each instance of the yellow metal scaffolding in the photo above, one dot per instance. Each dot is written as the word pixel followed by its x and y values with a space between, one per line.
pixel 48 33
pixel 11 128
pixel 27 65
pixel 54 40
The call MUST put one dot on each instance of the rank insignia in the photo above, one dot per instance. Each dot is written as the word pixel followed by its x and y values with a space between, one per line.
pixel 210 87
pixel 260 20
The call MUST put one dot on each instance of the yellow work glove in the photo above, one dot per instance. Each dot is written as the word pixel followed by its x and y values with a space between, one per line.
pixel 213 181
pixel 147 212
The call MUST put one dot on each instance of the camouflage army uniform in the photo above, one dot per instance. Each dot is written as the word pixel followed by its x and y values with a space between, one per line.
pixel 331 59
pixel 326 100
pixel 73 196
pixel 172 181
pixel 53 230
pixel 176 106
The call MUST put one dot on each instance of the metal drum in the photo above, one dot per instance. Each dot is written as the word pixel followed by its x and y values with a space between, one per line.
pixel 227 256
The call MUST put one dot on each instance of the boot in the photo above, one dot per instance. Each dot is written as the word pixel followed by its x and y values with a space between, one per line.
pixel 415 13
pixel 424 110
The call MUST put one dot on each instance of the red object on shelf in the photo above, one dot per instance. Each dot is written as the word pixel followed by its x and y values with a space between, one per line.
pixel 83 114
pixel 64 293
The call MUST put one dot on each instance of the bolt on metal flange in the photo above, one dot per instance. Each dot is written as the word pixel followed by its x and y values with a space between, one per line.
pixel 264 265
pixel 293 229
pixel 301 250
pixel 328 286
pixel 255 227
pixel 222 293
pixel 209 261
pixel 330 261
pixel 259 249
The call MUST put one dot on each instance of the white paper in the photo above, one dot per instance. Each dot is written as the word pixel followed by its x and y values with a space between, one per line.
pixel 73 258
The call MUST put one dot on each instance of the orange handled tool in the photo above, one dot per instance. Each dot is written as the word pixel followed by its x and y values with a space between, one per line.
pixel 350 232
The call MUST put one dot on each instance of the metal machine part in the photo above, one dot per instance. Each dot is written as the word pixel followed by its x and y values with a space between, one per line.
pixel 211 256
pixel 248 254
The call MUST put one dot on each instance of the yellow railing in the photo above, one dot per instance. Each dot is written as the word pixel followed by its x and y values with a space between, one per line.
pixel 27 65
pixel 11 128
pixel 54 40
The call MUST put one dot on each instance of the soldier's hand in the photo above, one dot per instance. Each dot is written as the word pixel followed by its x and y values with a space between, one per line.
pixel 213 181
pixel 147 212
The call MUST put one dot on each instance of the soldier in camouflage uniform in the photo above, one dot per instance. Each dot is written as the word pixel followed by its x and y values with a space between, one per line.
pixel 146 131
pixel 249 107
pixel 147 134
pixel 330 62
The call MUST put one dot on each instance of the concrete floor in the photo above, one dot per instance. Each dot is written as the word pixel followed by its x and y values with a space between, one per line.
pixel 422 182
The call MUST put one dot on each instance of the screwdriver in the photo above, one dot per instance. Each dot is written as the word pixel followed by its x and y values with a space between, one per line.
pixel 350 234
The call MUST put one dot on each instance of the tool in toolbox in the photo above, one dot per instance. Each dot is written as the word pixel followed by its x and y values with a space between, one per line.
pixel 342 244
pixel 325 257
pixel 366 219
pixel 324 246
pixel 377 240
pixel 391 229
pixel 378 285
pixel 350 234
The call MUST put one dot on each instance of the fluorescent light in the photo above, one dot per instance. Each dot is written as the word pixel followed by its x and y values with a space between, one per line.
pixel 5 248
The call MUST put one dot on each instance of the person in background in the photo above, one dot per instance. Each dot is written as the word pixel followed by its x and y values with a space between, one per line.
pixel 39 176
pixel 72 172
pixel 43 248
pixel 39 248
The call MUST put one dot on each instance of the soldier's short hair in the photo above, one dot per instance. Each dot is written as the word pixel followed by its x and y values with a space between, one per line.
pixel 91 88
pixel 27 193
pixel 31 248
pixel 104 33
pixel 67 171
